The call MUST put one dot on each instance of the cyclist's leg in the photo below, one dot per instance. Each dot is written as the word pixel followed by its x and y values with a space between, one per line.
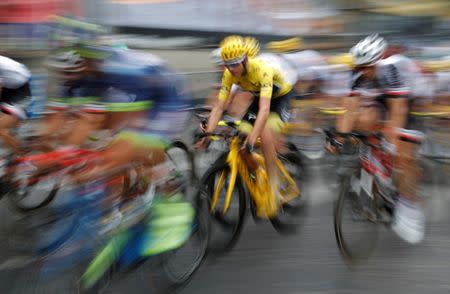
pixel 56 116
pixel 238 102
pixel 408 176
pixel 8 122
pixel 406 159
pixel 367 118
pixel 14 110
pixel 409 220
pixel 52 123
pixel 133 145
pixel 346 122
pixel 267 138
pixel 272 138
pixel 91 118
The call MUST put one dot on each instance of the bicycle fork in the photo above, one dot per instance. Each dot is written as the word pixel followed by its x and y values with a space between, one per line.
pixel 232 162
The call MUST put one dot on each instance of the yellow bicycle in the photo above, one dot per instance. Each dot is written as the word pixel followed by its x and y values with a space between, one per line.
pixel 231 179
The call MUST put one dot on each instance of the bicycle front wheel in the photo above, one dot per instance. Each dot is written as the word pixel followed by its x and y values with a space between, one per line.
pixel 180 265
pixel 355 224
pixel 226 225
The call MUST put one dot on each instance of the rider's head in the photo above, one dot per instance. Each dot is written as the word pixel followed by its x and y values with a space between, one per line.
pixel 251 46
pixel 233 52
pixel 69 64
pixel 367 53
pixel 94 55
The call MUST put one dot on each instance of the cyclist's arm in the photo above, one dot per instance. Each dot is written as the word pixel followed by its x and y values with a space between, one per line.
pixel 215 115
pixel 397 92
pixel 398 112
pixel 264 106
pixel 397 116
pixel 261 119
pixel 219 107
pixel 345 123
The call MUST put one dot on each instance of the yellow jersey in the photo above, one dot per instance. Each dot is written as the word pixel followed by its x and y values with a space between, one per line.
pixel 261 79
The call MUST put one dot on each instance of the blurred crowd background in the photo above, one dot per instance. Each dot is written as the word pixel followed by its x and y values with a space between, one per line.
pixel 29 28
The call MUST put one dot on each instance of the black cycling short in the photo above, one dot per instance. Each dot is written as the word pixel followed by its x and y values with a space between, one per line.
pixel 279 105
pixel 16 101
pixel 16 95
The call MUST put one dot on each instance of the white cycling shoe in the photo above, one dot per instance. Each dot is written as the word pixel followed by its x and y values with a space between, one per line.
pixel 409 221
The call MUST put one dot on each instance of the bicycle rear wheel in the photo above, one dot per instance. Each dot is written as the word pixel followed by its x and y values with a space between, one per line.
pixel 292 213
pixel 225 227
pixel 28 192
pixel 355 223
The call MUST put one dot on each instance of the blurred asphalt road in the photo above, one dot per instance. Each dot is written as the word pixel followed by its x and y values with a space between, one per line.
pixel 265 262
pixel 308 262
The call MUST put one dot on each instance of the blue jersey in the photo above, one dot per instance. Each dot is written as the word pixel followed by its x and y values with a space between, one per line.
pixel 136 81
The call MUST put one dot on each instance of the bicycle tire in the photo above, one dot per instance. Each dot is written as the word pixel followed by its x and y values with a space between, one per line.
pixel 97 273
pixel 202 231
pixel 358 254
pixel 189 155
pixel 288 219
pixel 23 207
pixel 29 227
pixel 206 190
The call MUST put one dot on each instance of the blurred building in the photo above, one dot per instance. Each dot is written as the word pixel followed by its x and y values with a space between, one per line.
pixel 24 24
pixel 25 35
pixel 246 16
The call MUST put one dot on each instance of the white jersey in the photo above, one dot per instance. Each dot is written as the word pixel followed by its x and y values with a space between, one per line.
pixel 276 61
pixel 442 82
pixel 304 62
pixel 406 72
pixel 337 82
pixel 12 73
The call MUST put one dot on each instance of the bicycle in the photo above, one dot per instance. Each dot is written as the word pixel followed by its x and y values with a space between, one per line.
pixel 435 126
pixel 81 230
pixel 367 192
pixel 32 182
pixel 128 249
pixel 232 170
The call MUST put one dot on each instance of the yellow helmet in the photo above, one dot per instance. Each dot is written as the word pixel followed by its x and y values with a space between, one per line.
pixel 288 45
pixel 251 46
pixel 233 49
pixel 436 65
pixel 343 58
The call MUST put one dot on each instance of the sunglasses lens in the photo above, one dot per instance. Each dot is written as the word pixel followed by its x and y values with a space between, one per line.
pixel 232 65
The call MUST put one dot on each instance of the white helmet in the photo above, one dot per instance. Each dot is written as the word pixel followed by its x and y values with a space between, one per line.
pixel 369 50
pixel 216 57
pixel 68 61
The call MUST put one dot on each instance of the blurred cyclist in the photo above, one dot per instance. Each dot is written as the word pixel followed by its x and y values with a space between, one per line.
pixel 439 77
pixel 239 99
pixel 308 64
pixel 141 100
pixel 381 88
pixel 15 99
pixel 75 89
pixel 269 109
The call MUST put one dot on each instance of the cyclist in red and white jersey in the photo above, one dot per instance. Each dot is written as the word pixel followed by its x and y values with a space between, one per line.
pixel 381 93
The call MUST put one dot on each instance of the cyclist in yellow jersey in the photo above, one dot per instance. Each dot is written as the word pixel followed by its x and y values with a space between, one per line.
pixel 269 109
